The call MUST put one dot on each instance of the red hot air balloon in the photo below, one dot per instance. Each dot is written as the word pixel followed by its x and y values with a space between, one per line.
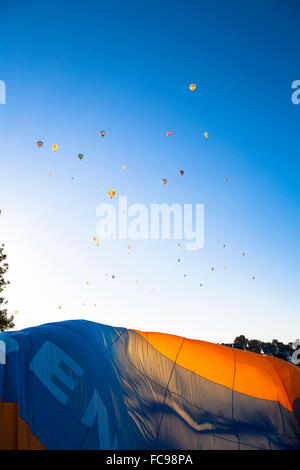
pixel 181 172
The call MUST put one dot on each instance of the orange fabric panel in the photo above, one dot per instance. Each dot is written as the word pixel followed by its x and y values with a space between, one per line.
pixel 253 374
pixel 290 376
pixel 15 434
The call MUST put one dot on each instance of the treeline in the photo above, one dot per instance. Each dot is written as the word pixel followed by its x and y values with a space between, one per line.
pixel 287 352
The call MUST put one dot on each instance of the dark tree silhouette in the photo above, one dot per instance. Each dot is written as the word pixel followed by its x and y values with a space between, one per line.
pixel 5 322
pixel 254 345
pixel 240 342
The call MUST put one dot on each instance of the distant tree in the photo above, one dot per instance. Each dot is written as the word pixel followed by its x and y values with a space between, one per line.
pixel 269 348
pixel 254 345
pixel 240 342
pixel 5 322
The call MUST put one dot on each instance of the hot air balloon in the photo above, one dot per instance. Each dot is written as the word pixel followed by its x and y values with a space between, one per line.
pixel 111 193
pixel 54 147
pixel 40 144
pixel 123 167
pixel 103 133
pixel 95 239
pixel 226 180
pixel 16 312
pixel 51 173
pixel 80 156
pixel 206 135
pixel 192 86
pixel 181 172
pixel 164 181
pixel 89 384
pixel 169 133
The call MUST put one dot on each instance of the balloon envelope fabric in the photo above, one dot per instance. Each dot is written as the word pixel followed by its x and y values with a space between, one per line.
pixel 83 385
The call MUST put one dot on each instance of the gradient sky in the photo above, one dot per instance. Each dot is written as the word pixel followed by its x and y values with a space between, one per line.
pixel 125 66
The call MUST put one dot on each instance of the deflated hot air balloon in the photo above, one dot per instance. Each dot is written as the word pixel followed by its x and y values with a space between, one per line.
pixel 111 193
pixel 103 133
pixel 54 147
pixel 82 385
pixel 40 144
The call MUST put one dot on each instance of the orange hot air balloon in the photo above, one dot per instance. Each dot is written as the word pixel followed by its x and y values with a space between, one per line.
pixel 206 135
pixel 40 144
pixel 192 86
pixel 54 147
pixel 164 181
pixel 51 173
pixel 111 193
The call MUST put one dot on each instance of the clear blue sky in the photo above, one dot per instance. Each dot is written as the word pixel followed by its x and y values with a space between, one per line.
pixel 74 68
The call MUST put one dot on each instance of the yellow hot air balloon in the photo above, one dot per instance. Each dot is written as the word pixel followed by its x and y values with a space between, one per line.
pixel 111 193
pixel 192 86
pixel 206 135
pixel 95 239
pixel 54 147
pixel 16 312
pixel 124 167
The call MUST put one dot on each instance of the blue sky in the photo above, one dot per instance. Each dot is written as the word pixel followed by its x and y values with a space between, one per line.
pixel 73 69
